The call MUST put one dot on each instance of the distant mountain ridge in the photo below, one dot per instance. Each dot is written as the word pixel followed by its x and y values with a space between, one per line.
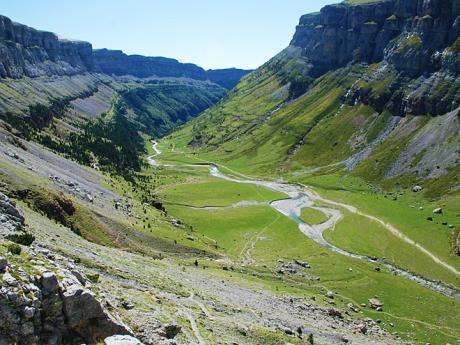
pixel 118 63
pixel 27 52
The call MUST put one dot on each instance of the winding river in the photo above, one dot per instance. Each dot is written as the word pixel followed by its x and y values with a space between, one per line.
pixel 300 197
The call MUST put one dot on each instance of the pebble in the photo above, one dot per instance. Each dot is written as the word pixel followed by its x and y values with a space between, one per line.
pixel 29 312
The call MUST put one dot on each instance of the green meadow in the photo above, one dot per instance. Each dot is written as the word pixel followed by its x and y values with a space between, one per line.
pixel 256 237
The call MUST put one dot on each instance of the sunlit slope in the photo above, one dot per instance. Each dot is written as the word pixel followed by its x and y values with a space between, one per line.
pixel 268 125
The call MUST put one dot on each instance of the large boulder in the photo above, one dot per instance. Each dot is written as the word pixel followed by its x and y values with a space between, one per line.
pixel 53 308
pixel 374 303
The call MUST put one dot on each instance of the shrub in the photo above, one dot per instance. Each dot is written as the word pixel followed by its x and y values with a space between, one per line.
pixel 25 239
pixel 14 248
pixel 94 278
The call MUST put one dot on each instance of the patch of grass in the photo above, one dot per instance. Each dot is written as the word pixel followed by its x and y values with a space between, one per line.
pixel 358 234
pixel 210 191
pixel 455 48
pixel 409 42
pixel 229 229
pixel 411 221
pixel 312 216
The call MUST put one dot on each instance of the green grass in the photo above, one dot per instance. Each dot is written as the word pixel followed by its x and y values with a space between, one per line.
pixel 312 216
pixel 211 191
pixel 229 228
pixel 411 221
pixel 358 234
pixel 416 312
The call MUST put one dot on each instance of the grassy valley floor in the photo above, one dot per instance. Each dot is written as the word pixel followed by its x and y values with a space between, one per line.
pixel 259 237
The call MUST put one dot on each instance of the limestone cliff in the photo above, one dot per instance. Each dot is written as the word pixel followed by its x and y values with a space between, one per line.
pixel 118 63
pixel 385 29
pixel 25 51
pixel 416 43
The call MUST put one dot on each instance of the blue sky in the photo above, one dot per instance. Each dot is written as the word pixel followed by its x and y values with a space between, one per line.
pixel 210 33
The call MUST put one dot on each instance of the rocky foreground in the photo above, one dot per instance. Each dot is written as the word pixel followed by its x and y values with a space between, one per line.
pixel 45 298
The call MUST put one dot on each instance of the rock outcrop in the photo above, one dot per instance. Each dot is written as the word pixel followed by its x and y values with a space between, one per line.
pixel 118 63
pixel 43 301
pixel 12 226
pixel 41 306
pixel 115 62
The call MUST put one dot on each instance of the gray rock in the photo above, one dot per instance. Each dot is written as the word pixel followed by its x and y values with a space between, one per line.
pixel 3 263
pixel 302 264
pixel 80 277
pixel 335 313
pixel 374 303
pixel 29 312
pixel 329 294
pixel 362 328
pixel 170 331
pixel 127 305
pixel 121 340
pixel 80 305
pixel 49 282
pixel 437 210
pixel 12 225
pixel 9 279
pixel 68 312
pixel 417 189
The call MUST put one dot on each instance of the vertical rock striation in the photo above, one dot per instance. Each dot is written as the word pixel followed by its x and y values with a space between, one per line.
pixel 417 41
pixel 25 51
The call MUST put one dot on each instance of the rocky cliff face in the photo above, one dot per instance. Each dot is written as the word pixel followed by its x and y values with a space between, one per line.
pixel 385 29
pixel 25 51
pixel 416 43
pixel 44 297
